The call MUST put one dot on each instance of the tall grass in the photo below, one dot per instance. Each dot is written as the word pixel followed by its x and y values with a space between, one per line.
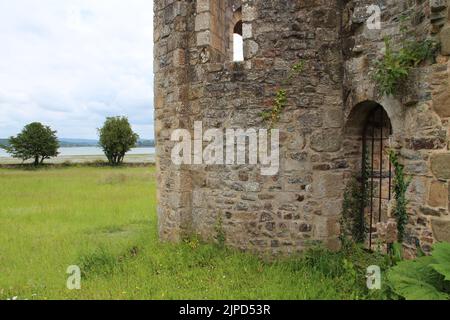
pixel 104 220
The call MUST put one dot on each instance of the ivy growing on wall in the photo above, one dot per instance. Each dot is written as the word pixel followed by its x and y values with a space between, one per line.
pixel 272 116
pixel 401 184
pixel 395 66
pixel 356 198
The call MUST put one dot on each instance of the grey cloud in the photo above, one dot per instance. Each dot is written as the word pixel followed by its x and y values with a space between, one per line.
pixel 72 63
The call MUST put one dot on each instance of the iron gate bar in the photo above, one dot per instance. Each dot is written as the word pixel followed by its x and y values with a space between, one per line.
pixel 381 165
pixel 390 166
pixel 371 187
pixel 362 214
pixel 376 120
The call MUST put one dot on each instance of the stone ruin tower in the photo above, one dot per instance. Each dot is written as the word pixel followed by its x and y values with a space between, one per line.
pixel 334 118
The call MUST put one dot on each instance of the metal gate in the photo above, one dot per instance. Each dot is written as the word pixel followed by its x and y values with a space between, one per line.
pixel 376 169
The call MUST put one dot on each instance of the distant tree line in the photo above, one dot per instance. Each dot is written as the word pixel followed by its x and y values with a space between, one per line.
pixel 74 143
pixel 39 142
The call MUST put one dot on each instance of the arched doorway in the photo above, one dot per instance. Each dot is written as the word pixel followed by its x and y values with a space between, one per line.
pixel 367 142
pixel 376 169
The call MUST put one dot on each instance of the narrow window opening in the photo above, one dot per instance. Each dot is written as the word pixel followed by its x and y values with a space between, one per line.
pixel 238 42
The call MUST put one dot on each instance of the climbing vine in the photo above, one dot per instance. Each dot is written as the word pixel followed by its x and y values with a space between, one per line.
pixel 356 199
pixel 272 116
pixel 401 184
pixel 395 66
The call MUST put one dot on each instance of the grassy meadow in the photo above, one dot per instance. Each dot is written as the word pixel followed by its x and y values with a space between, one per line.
pixel 104 220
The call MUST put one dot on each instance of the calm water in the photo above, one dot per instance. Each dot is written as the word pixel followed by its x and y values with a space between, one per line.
pixel 90 151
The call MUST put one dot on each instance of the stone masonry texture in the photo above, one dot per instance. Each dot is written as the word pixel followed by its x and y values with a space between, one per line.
pixel 320 128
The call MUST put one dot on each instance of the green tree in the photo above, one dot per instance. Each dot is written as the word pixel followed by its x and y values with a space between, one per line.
pixel 36 141
pixel 117 138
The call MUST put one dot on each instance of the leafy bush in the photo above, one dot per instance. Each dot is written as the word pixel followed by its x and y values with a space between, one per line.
pixel 426 278
pixel 395 66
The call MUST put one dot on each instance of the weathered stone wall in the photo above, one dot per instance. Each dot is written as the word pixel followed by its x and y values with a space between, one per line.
pixel 172 32
pixel 319 129
pixel 279 213
pixel 419 114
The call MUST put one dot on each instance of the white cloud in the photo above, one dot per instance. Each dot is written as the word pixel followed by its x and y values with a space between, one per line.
pixel 71 63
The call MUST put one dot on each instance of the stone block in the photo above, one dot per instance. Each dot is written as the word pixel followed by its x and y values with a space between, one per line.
pixel 333 118
pixel 438 196
pixel 326 140
pixel 247 31
pixel 202 21
pixel 253 187
pixel 203 38
pixel 441 102
pixel 249 13
pixel 440 165
pixel 438 5
pixel 445 40
pixel 179 57
pixel 441 229
pixel 203 5
pixel 251 48
pixel 328 185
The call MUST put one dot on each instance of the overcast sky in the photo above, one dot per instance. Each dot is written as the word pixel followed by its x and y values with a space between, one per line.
pixel 71 63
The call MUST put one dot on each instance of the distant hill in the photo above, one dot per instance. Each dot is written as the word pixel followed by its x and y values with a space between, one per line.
pixel 72 143
pixel 4 142
pixel 145 143
pixel 69 143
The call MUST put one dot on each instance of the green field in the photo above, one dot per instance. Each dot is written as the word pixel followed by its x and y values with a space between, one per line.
pixel 104 220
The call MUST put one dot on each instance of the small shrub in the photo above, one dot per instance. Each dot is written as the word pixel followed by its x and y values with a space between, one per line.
pixel 220 232
pixel 192 242
pixel 395 66
pixel 101 262
pixel 104 263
